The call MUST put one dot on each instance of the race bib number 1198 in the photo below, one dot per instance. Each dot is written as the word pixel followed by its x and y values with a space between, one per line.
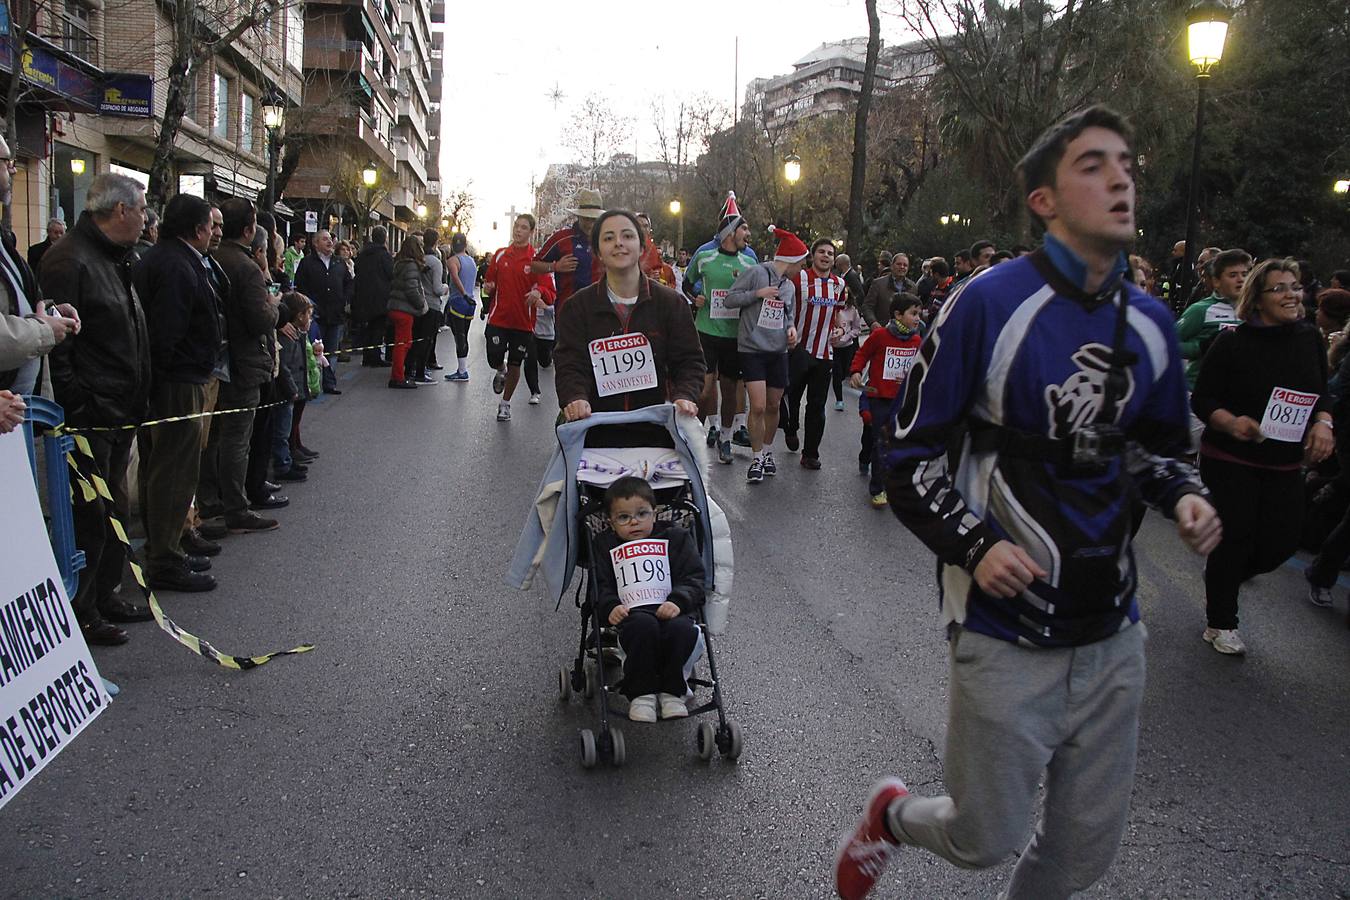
pixel 642 572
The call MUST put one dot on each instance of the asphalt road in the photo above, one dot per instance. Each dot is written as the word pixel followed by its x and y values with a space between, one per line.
pixel 421 748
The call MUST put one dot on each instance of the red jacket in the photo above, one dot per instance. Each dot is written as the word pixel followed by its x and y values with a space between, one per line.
pixel 510 272
pixel 880 344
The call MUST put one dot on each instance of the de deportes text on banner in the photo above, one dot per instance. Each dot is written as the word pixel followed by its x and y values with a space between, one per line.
pixel 49 687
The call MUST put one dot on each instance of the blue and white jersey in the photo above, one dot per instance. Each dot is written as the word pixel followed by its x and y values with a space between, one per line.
pixel 1021 346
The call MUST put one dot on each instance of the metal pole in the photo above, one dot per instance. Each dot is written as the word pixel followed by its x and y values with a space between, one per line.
pixel 792 193
pixel 679 232
pixel 1188 261
pixel 270 194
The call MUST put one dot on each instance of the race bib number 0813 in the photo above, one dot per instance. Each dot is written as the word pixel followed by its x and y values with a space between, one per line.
pixel 622 364
pixel 1287 415
pixel 642 572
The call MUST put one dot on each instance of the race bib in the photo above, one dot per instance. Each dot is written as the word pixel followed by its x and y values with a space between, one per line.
pixel 1287 415
pixel 899 360
pixel 1221 312
pixel 622 364
pixel 642 572
pixel 717 305
pixel 771 313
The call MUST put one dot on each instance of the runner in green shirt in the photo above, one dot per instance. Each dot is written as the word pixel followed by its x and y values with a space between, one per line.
pixel 709 277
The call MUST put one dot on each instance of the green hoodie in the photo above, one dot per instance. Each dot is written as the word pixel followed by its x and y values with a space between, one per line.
pixel 1199 325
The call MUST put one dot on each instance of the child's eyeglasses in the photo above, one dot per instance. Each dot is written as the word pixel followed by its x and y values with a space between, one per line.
pixel 625 519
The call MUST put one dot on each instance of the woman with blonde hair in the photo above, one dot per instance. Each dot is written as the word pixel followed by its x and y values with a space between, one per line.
pixel 1262 395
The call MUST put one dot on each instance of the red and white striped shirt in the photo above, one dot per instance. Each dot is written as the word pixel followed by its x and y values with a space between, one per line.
pixel 817 298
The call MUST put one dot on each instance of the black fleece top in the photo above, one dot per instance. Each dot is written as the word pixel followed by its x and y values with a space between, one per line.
pixel 687 577
pixel 1243 366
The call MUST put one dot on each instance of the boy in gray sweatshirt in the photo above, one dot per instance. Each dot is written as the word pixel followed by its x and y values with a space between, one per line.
pixel 767 299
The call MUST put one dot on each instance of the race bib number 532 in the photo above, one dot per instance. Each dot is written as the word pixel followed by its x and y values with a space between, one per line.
pixel 771 313
pixel 642 572
pixel 1287 415
pixel 622 364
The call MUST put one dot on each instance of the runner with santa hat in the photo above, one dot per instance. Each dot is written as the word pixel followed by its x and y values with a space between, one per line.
pixel 767 302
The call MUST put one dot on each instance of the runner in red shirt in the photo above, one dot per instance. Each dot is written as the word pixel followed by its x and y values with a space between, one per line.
pixel 819 293
pixel 887 356
pixel 520 293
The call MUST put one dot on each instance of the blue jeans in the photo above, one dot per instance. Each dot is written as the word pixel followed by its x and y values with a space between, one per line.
pixel 332 340
pixel 281 436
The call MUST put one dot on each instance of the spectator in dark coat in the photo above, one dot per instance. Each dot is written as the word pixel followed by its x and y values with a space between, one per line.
pixel 370 299
pixel 186 326
pixel 56 229
pixel 876 305
pixel 322 276
pixel 102 379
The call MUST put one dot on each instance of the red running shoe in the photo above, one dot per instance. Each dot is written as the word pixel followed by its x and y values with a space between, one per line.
pixel 862 855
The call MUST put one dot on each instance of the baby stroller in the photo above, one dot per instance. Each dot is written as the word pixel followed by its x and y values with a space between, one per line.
pixel 559 537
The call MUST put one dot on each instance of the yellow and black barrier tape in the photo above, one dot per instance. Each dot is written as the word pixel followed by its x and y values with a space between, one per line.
pixel 206 414
pixel 94 487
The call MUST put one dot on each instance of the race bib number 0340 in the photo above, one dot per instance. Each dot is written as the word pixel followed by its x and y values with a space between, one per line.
pixel 1287 415
pixel 717 305
pixel 642 572
pixel 622 364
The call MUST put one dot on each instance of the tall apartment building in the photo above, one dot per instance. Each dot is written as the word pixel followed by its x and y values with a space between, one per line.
pixel 93 93
pixel 367 100
pixel 829 78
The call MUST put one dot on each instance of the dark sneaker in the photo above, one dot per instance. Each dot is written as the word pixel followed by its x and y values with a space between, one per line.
pixel 862 856
pixel 790 438
pixel 402 385
pixel 195 544
pixel 724 453
pixel 118 610
pixel 270 487
pixel 213 531
pixel 499 382
pixel 425 379
pixel 312 454
pixel 252 522
pixel 292 474
pixel 196 563
pixel 811 462
pixel 333 391
pixel 271 501
pixel 741 437
pixel 770 467
pixel 104 634
pixel 1319 596
pixel 755 473
pixel 457 376
pixel 182 579
pixel 712 435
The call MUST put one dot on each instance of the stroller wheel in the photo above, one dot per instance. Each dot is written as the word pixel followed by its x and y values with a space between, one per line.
pixel 618 751
pixel 591 680
pixel 705 741
pixel 730 741
pixel 587 748
pixel 564 684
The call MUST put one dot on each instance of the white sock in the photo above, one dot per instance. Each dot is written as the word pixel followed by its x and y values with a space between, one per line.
pixel 738 420
pixel 464 365
pixel 723 434
pixel 759 457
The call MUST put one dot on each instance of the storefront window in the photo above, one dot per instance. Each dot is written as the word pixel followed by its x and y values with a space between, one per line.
pixel 221 123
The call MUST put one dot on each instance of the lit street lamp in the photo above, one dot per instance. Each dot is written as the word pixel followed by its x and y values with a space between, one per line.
pixel 1342 186
pixel 1206 31
pixel 792 173
pixel 274 119
pixel 421 210
pixel 77 166
pixel 675 207
pixel 370 175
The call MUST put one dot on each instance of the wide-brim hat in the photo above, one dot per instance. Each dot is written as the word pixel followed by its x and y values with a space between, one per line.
pixel 589 204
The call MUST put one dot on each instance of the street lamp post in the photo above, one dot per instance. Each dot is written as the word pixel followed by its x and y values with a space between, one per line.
pixel 274 119
pixel 1206 31
pixel 675 207
pixel 792 173
pixel 1342 186
pixel 370 176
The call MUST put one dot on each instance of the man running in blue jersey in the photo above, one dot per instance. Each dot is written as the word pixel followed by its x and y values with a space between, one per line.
pixel 1069 381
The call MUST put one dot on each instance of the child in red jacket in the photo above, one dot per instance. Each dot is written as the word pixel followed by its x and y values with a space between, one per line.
pixel 887 357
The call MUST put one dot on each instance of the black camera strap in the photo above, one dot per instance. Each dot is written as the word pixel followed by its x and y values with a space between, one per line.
pixel 1117 376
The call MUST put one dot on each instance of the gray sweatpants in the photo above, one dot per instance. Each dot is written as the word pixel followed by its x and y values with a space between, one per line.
pixel 1015 713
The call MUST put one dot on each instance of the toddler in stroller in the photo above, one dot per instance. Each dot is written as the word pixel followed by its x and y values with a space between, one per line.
pixel 650 589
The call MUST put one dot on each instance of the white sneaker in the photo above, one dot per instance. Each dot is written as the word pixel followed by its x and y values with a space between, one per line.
pixel 1225 640
pixel 643 709
pixel 503 411
pixel 534 399
pixel 673 707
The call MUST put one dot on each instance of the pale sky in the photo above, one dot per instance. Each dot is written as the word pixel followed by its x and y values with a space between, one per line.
pixel 502 130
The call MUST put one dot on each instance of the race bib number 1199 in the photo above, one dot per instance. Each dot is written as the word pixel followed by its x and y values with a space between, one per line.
pixel 622 364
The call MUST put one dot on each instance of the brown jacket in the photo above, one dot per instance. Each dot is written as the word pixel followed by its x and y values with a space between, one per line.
pixel 660 314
